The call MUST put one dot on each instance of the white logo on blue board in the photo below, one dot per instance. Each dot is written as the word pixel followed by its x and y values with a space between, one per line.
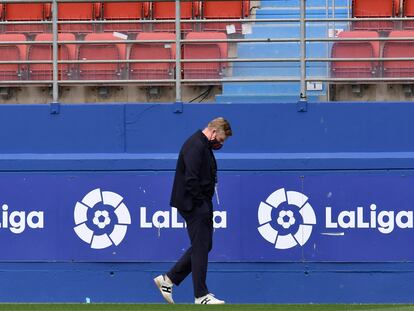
pixel 94 219
pixel 292 212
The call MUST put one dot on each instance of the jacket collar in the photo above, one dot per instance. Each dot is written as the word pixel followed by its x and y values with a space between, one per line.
pixel 202 137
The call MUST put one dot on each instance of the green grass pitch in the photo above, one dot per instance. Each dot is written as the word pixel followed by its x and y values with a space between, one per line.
pixel 187 307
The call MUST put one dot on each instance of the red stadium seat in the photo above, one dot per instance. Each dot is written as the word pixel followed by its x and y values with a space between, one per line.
pixel 44 52
pixel 408 11
pixel 207 50
pixel 13 52
pixel 166 10
pixel 142 51
pixel 224 9
pixel 399 68
pixel 373 8
pixel 101 51
pixel 27 12
pixel 78 12
pixel 355 49
pixel 124 11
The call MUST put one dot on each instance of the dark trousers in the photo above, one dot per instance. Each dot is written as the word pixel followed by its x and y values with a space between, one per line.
pixel 195 259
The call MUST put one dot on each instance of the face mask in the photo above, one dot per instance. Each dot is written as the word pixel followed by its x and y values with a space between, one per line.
pixel 215 144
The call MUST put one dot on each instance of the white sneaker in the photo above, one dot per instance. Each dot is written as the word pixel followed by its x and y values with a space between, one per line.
pixel 165 288
pixel 209 299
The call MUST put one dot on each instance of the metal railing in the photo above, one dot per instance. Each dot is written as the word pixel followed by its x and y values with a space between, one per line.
pixel 302 40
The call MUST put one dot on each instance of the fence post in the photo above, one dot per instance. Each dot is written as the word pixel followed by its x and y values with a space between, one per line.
pixel 178 96
pixel 55 87
pixel 303 96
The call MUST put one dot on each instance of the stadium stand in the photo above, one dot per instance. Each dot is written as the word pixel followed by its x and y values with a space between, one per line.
pixel 143 51
pixel 89 13
pixel 104 51
pixel 356 49
pixel 12 52
pixel 44 52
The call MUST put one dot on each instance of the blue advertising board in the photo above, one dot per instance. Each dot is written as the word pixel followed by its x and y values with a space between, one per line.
pixel 261 216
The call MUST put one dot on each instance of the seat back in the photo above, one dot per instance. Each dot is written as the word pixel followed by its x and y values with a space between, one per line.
pixel 166 10
pixel 14 12
pixel 12 52
pixel 44 52
pixel 399 68
pixel 211 35
pixel 142 51
pixel 355 49
pixel 101 51
pixel 223 9
pixel 408 11
pixel 373 8
pixel 78 12
pixel 200 70
pixel 207 50
pixel 122 11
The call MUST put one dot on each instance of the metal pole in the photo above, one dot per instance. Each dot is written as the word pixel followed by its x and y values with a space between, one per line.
pixel 178 97
pixel 328 27
pixel 328 86
pixel 302 51
pixel 333 16
pixel 55 51
pixel 348 5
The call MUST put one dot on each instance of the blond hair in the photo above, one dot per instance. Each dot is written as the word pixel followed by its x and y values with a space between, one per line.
pixel 221 125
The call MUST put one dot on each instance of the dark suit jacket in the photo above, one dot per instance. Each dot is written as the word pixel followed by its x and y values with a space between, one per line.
pixel 195 175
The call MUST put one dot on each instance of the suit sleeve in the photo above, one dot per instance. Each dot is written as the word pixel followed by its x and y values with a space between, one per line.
pixel 193 160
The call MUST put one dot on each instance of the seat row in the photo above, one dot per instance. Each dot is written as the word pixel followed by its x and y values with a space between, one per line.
pixel 382 9
pixel 373 49
pixel 94 11
pixel 84 51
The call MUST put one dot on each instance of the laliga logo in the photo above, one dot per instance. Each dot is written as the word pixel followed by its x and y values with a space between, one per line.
pixel 286 219
pixel 95 206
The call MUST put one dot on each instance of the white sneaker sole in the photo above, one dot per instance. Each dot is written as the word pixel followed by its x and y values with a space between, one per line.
pixel 158 284
pixel 212 303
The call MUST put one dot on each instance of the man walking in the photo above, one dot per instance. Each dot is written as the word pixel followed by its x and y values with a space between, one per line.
pixel 192 193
